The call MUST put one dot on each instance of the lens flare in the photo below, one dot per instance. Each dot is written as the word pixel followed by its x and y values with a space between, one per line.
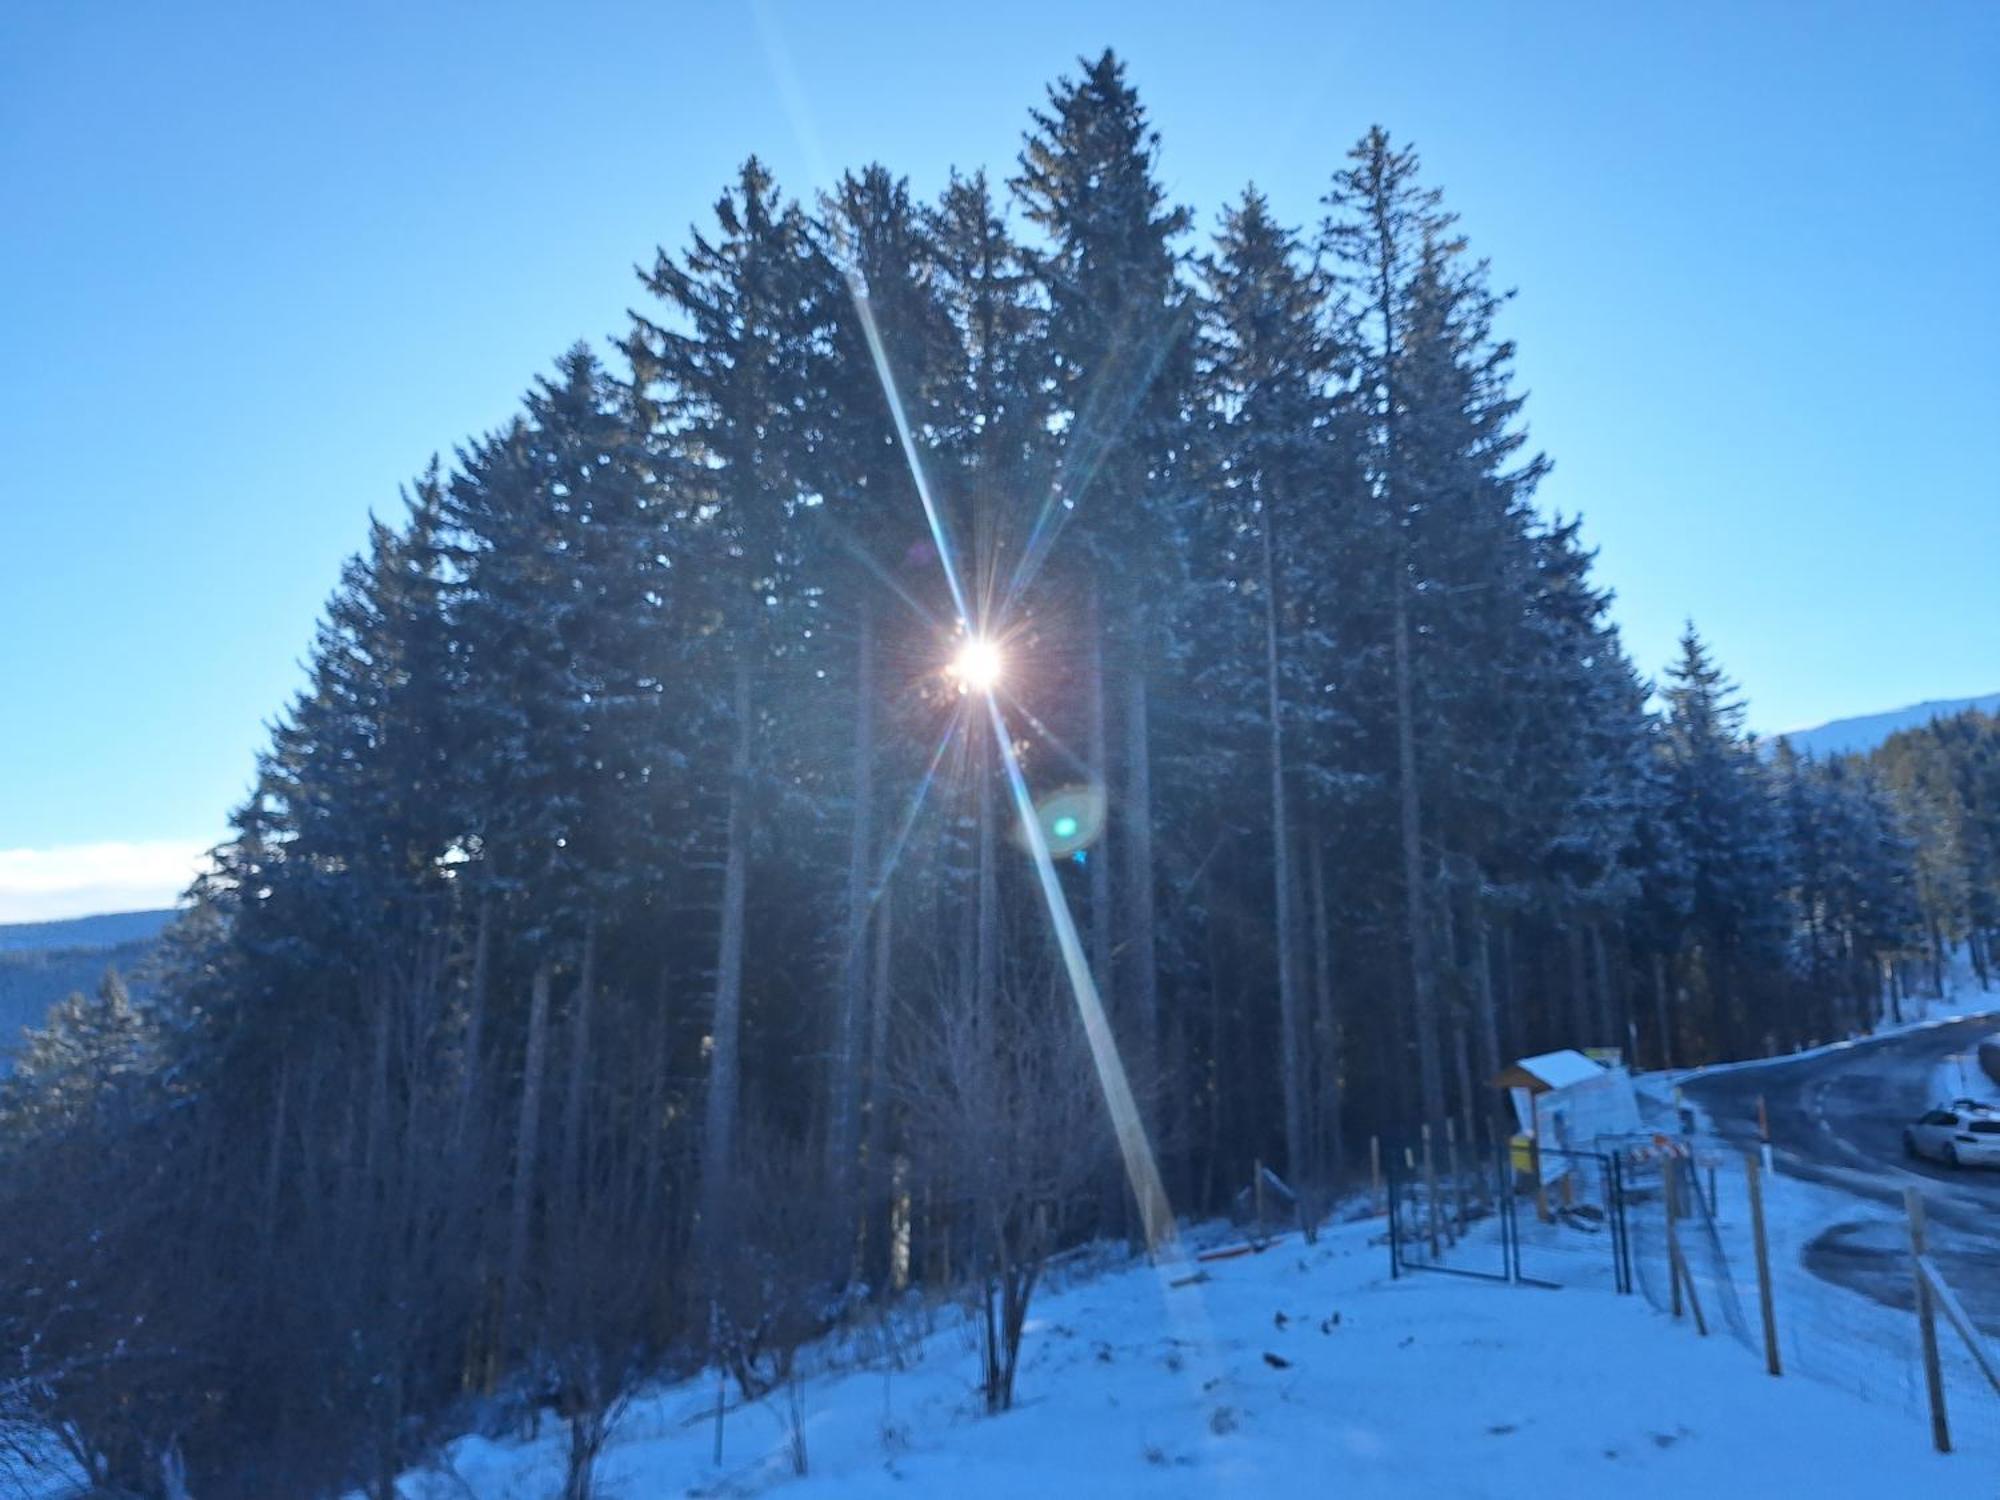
pixel 1072 817
pixel 978 665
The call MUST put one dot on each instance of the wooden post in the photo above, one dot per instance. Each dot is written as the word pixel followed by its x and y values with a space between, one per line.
pixel 721 1373
pixel 1257 1196
pixel 1375 1174
pixel 1946 1301
pixel 1764 1131
pixel 1677 1266
pixel 1927 1323
pixel 1431 1191
pixel 1451 1170
pixel 1673 1232
pixel 1756 1182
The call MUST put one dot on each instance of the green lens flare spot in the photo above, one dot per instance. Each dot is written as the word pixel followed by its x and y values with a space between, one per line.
pixel 1064 827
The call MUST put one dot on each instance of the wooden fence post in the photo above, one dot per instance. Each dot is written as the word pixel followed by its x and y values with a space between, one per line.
pixel 1678 1272
pixel 1756 1182
pixel 1927 1323
pixel 1451 1169
pixel 1375 1175
pixel 1673 1231
pixel 1431 1191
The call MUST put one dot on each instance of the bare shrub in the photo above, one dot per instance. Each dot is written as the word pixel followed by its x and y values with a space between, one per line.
pixel 1006 1127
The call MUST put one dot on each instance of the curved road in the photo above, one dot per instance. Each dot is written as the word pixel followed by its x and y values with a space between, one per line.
pixel 1837 1118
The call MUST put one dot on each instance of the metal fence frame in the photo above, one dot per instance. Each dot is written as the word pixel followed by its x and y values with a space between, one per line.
pixel 1422 1203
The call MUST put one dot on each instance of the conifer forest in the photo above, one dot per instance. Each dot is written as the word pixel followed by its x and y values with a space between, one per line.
pixel 633 955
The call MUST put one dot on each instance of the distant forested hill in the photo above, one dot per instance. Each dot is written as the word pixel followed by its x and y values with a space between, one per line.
pixel 1857 736
pixel 41 962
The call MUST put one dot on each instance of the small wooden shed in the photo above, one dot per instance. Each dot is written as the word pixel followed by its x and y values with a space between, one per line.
pixel 1565 1101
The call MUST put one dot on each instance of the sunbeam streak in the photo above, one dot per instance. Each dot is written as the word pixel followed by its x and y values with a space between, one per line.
pixel 1053 740
pixel 908 439
pixel 894 855
pixel 874 565
pixel 1144 1173
pixel 1108 406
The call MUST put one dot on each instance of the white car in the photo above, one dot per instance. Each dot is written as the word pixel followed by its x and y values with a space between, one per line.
pixel 1959 1134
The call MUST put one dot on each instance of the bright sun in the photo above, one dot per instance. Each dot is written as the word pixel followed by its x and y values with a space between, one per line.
pixel 977 664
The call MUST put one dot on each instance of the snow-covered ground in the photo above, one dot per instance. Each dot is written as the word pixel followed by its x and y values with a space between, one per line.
pixel 1303 1370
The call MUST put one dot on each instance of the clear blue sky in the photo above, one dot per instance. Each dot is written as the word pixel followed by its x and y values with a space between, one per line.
pixel 258 262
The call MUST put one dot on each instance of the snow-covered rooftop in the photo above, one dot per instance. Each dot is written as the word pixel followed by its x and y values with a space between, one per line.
pixel 1561 1069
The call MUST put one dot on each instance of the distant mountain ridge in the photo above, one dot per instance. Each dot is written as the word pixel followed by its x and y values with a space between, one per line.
pixel 106 930
pixel 1866 731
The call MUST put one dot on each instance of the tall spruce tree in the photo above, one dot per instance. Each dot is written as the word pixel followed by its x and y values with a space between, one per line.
pixel 726 369
pixel 1727 824
pixel 1119 349
pixel 1268 374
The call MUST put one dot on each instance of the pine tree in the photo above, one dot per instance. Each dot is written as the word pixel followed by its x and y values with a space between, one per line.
pixel 1267 376
pixel 1440 424
pixel 728 376
pixel 893 354
pixel 74 1068
pixel 1727 824
pixel 1119 346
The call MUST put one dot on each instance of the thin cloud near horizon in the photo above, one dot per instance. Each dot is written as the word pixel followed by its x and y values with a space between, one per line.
pixel 86 880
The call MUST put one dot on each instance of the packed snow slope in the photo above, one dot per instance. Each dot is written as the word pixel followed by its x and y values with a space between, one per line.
pixel 1304 1370
pixel 1864 733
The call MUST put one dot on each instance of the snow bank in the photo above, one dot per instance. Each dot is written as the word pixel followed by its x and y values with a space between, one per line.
pixel 1962 999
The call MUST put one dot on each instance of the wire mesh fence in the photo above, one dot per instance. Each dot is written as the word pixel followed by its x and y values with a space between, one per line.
pixel 1838 1279
pixel 1833 1297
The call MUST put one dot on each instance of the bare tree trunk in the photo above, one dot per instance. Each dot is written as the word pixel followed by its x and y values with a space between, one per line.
pixel 1660 1012
pixel 845 1093
pixel 526 1145
pixel 1326 1042
pixel 1097 748
pixel 1299 1165
pixel 1579 987
pixel 1489 1020
pixel 1461 1050
pixel 377 1137
pixel 1213 1093
pixel 579 1060
pixel 475 1027
pixel 1141 945
pixel 652 1152
pixel 725 1056
pixel 273 1173
pixel 1100 855
pixel 881 1180
pixel 986 959
pixel 1423 982
pixel 1600 973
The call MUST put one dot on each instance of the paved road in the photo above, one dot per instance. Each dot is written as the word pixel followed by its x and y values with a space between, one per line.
pixel 1837 1118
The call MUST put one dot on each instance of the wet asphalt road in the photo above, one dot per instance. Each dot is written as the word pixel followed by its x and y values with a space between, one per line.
pixel 1837 1119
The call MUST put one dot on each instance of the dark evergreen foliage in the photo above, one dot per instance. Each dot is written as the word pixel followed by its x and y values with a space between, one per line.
pixel 630 900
